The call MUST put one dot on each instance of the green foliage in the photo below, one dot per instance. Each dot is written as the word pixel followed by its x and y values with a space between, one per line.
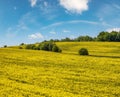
pixel 102 36
pixel 106 36
pixel 84 38
pixel 66 39
pixel 20 47
pixel 56 49
pixel 30 46
pixel 50 46
pixel 83 51
pixel 5 46
pixel 114 36
pixel 22 44
pixel 60 50
pixel 47 46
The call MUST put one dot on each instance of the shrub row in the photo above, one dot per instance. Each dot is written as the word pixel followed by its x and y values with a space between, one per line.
pixel 47 46
pixel 50 46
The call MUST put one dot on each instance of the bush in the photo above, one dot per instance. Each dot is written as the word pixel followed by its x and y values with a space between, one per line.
pixel 22 44
pixel 5 46
pixel 35 47
pixel 60 51
pixel 83 51
pixel 30 46
pixel 50 46
pixel 56 49
pixel 47 46
pixel 20 47
pixel 44 46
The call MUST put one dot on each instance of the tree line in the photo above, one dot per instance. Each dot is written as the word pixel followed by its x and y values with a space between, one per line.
pixel 50 46
pixel 113 36
pixel 46 46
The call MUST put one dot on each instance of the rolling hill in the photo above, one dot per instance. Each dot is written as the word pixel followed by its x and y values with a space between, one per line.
pixel 34 73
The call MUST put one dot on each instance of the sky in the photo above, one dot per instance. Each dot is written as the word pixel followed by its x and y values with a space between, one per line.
pixel 30 21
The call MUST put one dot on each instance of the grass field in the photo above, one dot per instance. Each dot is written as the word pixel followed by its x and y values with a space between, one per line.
pixel 32 73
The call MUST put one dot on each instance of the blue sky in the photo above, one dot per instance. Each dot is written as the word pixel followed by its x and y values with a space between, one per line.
pixel 31 21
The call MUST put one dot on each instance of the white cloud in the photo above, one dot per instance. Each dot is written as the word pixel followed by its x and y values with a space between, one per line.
pixel 109 12
pixel 116 6
pixel 35 36
pixel 72 36
pixel 33 2
pixel 75 6
pixel 48 10
pixel 10 33
pixel 52 32
pixel 66 31
pixel 15 8
pixel 106 24
pixel 22 26
pixel 113 29
pixel 45 4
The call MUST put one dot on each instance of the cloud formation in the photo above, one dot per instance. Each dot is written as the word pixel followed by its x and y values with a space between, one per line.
pixel 45 4
pixel 75 6
pixel 116 6
pixel 66 31
pixel 33 2
pixel 48 10
pixel 113 29
pixel 35 36
pixel 52 32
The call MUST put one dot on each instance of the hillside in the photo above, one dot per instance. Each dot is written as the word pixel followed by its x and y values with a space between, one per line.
pixel 33 73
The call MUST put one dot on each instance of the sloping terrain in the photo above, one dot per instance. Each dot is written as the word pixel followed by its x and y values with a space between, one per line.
pixel 32 73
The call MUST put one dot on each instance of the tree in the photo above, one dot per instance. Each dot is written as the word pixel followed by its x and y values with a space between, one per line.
pixel 22 44
pixel 51 40
pixel 113 36
pixel 5 46
pixel 84 38
pixel 66 39
pixel 109 36
pixel 49 46
pixel 103 36
pixel 118 37
pixel 83 51
pixel 30 46
pixel 44 46
pixel 56 49
pixel 20 47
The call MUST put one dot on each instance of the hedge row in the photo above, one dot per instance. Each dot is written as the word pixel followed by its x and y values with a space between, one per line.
pixel 50 46
pixel 47 46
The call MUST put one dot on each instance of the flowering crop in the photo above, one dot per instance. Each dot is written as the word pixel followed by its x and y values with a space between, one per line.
pixel 30 73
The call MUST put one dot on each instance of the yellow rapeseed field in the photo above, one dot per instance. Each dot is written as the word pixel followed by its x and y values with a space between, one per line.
pixel 33 73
